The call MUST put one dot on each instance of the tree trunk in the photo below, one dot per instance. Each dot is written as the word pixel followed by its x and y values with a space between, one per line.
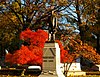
pixel 2 51
pixel 79 21
pixel 98 44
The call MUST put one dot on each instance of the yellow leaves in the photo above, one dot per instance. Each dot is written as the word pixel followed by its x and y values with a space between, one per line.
pixel 83 23
pixel 13 18
pixel 15 6
pixel 2 2
pixel 71 44
pixel 92 18
pixel 35 8
pixel 81 48
pixel 62 2
pixel 44 0
pixel 97 7
pixel 8 37
pixel 49 1
pixel 79 41
pixel 52 1
pixel 84 47
pixel 67 25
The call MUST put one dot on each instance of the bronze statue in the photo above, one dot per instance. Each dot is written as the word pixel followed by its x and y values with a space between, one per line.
pixel 52 22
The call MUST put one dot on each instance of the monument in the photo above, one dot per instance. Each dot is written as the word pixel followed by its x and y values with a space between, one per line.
pixel 51 51
pixel 51 60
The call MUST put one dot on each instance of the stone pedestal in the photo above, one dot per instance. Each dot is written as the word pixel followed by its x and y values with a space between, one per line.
pixel 51 60
pixel 51 57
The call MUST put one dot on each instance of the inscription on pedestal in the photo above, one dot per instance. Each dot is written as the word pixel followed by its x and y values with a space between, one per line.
pixel 51 57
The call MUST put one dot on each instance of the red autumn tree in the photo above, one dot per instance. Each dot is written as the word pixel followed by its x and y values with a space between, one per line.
pixel 37 38
pixel 32 53
pixel 64 55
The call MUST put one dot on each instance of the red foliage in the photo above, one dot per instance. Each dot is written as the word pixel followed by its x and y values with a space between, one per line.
pixel 37 38
pixel 26 34
pixel 31 54
pixel 8 57
pixel 60 44
pixel 25 56
pixel 64 55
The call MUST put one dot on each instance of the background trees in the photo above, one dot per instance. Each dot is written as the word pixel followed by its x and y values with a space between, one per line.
pixel 21 14
pixel 95 28
pixel 8 33
pixel 73 16
pixel 82 15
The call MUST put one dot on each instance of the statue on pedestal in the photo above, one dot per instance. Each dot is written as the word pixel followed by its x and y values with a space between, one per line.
pixel 52 22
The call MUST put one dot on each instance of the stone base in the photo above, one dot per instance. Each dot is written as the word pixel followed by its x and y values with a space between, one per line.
pixel 51 60
pixel 51 57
